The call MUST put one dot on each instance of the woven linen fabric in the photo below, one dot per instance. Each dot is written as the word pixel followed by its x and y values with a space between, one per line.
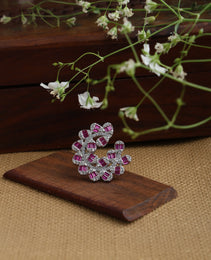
pixel 35 225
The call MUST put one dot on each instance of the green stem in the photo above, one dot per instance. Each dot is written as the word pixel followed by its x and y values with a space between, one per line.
pixel 194 61
pixel 170 8
pixel 206 120
pixel 153 88
pixel 183 82
pixel 187 83
pixel 197 45
pixel 132 48
pixel 148 131
pixel 151 99
pixel 178 107
pixel 199 20
pixel 43 19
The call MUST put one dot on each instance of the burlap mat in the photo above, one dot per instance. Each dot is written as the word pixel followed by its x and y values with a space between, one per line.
pixel 34 225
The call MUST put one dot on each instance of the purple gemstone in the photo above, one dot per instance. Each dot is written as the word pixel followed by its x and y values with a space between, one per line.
pixel 83 168
pixel 96 128
pixel 93 175
pixel 108 128
pixel 91 157
pixel 77 157
pixel 85 133
pixel 104 177
pixel 102 162
pixel 117 170
pixel 125 160
pixel 119 146
pixel 78 145
pixel 91 145
pixel 111 155
pixel 106 174
pixel 103 141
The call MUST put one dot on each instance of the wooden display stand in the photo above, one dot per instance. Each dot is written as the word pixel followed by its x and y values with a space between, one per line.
pixel 126 197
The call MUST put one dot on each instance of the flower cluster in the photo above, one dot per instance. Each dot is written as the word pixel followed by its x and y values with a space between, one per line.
pixel 122 12
pixel 152 61
pixel 84 4
pixel 117 20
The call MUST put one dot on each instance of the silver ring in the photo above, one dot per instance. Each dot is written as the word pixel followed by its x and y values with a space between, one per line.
pixel 89 163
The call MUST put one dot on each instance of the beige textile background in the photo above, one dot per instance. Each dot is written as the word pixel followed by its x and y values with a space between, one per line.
pixel 34 225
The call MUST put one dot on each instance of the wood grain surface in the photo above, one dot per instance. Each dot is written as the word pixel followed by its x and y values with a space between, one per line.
pixel 29 121
pixel 127 197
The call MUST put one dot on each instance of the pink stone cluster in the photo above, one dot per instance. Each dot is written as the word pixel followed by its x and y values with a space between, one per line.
pixel 88 162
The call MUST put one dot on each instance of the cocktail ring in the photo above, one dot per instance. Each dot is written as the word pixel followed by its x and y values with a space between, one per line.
pixel 89 163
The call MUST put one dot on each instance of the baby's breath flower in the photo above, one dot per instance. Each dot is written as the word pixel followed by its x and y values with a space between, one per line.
pixel 103 22
pixel 174 39
pixel 179 72
pixel 84 4
pixel 128 66
pixel 142 36
pixel 150 6
pixel 128 12
pixel 88 102
pixel 57 89
pixel 24 20
pixel 114 16
pixel 5 19
pixel 127 26
pixel 113 32
pixel 152 61
pixel 123 2
pixel 130 112
pixel 149 20
pixel 159 47
pixel 162 47
pixel 71 21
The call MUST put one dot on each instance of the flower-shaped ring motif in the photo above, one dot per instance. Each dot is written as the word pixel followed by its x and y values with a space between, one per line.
pixel 89 163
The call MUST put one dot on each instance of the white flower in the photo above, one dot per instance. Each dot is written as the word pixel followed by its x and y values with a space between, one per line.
pixel 127 12
pixel 71 21
pixel 174 39
pixel 159 47
pixel 123 2
pixel 146 49
pixel 5 19
pixel 142 35
pixel 149 20
pixel 24 20
pixel 128 67
pixel 152 61
pixel 130 112
pixel 103 22
pixel 127 26
pixel 150 6
pixel 88 102
pixel 179 72
pixel 56 88
pixel 84 4
pixel 113 32
pixel 114 16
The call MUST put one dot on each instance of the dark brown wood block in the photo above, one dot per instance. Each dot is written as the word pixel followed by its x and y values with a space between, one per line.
pixel 127 197
pixel 29 121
